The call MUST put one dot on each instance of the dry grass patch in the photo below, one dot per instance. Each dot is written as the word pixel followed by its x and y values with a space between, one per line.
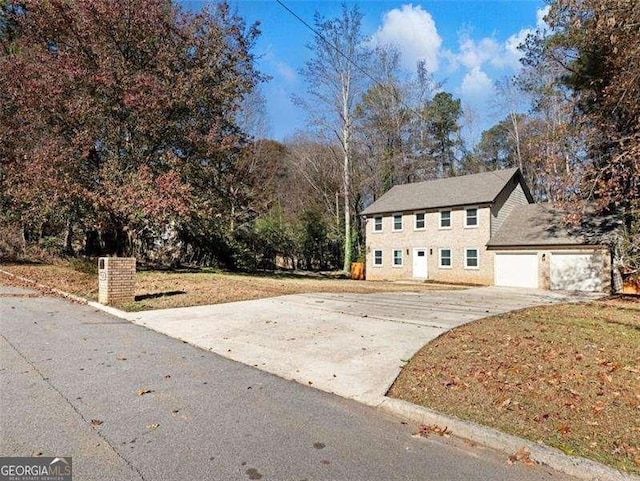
pixel 566 375
pixel 192 289
pixel 75 278
pixel 166 289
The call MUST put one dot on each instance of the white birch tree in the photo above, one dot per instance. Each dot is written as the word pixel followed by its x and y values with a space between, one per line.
pixel 335 81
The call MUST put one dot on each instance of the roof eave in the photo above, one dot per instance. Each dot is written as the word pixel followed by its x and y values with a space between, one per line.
pixel 542 245
pixel 487 203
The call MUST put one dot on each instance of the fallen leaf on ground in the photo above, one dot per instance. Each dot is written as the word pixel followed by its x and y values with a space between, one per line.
pixel 424 430
pixel 523 455
pixel 143 391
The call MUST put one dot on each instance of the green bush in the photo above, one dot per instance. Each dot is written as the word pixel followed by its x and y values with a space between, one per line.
pixel 86 266
pixel 51 244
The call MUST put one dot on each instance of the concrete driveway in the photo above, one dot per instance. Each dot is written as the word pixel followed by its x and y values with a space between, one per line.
pixel 353 345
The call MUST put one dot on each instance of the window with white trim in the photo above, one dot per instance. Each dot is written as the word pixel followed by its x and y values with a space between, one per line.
pixel 397 222
pixel 377 224
pixel 397 257
pixel 445 219
pixel 444 258
pixel 471 258
pixel 377 257
pixel 471 217
pixel 421 221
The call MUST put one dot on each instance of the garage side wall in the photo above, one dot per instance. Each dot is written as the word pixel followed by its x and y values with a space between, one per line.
pixel 511 197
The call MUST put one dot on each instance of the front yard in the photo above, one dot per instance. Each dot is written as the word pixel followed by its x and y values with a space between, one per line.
pixel 566 375
pixel 165 289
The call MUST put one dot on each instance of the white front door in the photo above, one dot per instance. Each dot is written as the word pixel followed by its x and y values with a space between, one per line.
pixel 420 263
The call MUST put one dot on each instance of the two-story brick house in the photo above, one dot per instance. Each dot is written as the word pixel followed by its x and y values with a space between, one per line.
pixel 463 230
pixel 439 229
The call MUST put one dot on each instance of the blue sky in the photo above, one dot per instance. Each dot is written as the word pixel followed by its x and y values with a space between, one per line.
pixel 467 45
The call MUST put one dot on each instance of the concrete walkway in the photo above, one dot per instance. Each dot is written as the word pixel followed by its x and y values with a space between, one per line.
pixel 353 345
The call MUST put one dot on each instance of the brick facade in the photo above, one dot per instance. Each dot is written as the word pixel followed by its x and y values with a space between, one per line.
pixel 458 238
pixel 116 280
pixel 432 238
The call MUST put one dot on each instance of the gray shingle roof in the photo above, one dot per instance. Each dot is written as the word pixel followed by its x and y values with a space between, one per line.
pixel 472 189
pixel 545 225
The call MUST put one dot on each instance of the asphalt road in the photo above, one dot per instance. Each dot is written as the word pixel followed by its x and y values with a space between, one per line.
pixel 131 404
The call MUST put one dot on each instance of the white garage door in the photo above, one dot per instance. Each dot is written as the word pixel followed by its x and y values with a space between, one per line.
pixel 576 272
pixel 516 270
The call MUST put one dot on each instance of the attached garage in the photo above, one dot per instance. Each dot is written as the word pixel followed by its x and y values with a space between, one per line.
pixel 571 271
pixel 516 269
pixel 534 247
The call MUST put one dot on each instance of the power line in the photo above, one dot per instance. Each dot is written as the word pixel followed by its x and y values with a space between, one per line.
pixel 352 62
pixel 321 37
pixel 377 82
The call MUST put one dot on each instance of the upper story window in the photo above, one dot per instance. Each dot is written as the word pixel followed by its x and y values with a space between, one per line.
pixel 397 222
pixel 421 221
pixel 445 219
pixel 377 224
pixel 471 217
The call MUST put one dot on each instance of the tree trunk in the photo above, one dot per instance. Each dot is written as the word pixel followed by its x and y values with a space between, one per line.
pixel 232 220
pixel 68 238
pixel 347 216
pixel 346 145
pixel 23 238
pixel 516 135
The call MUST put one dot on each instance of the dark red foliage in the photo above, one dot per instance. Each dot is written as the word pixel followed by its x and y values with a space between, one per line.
pixel 114 111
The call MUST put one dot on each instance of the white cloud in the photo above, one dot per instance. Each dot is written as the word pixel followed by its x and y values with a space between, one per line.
pixel 512 53
pixel 473 54
pixel 487 50
pixel 413 31
pixel 540 14
pixel 476 86
pixel 278 68
pixel 286 72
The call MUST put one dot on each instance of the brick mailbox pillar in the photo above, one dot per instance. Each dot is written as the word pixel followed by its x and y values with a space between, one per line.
pixel 116 280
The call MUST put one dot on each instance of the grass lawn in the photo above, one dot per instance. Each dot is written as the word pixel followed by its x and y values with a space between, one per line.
pixel 566 375
pixel 161 290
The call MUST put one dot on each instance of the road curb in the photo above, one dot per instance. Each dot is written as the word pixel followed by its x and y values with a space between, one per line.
pixel 111 310
pixel 576 466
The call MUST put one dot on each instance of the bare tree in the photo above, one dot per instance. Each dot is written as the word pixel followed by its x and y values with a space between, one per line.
pixel 383 127
pixel 510 99
pixel 314 175
pixel 335 82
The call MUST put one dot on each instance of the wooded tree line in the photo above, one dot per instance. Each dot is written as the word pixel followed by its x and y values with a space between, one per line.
pixel 133 128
